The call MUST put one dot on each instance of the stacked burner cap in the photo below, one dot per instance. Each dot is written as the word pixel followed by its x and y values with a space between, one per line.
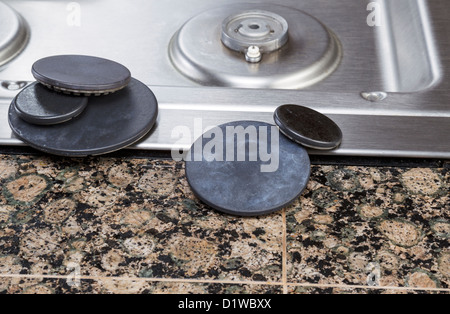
pixel 81 75
pixel 37 105
pixel 82 106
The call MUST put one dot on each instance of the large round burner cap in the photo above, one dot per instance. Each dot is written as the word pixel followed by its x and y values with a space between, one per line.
pixel 255 46
pixel 234 174
pixel 13 34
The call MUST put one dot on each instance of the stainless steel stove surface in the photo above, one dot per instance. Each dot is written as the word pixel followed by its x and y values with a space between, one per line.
pixel 380 69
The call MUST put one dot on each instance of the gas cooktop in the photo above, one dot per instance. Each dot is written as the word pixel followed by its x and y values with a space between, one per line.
pixel 379 69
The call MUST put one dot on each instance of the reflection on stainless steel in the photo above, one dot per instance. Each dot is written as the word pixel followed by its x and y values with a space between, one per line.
pixel 408 53
pixel 405 59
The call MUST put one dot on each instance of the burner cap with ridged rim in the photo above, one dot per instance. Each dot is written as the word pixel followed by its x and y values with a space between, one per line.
pixel 85 75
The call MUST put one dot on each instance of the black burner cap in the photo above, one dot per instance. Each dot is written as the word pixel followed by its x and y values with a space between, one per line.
pixel 108 123
pixel 308 127
pixel 37 104
pixel 232 173
pixel 81 74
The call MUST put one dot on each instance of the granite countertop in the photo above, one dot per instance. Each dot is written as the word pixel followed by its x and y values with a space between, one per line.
pixel 132 225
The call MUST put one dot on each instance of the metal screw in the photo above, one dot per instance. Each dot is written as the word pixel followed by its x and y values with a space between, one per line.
pixel 253 54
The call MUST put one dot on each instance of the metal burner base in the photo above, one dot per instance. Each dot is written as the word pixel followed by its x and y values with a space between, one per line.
pixel 302 57
pixel 14 34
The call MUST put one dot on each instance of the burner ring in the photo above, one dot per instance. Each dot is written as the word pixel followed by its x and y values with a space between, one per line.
pixel 14 34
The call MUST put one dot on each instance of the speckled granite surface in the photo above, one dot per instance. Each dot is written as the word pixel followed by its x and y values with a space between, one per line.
pixel 121 225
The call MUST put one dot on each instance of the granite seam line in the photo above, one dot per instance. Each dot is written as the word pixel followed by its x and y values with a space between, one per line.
pixel 205 281
pixel 284 254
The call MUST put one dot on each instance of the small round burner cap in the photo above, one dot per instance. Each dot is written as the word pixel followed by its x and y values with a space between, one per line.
pixel 77 74
pixel 37 104
pixel 308 127
pixel 247 168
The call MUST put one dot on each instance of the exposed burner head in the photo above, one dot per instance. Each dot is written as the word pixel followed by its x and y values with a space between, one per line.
pixel 255 46
pixel 14 34
pixel 255 32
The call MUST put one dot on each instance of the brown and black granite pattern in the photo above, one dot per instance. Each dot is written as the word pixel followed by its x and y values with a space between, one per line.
pixel 122 225
pixel 377 226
